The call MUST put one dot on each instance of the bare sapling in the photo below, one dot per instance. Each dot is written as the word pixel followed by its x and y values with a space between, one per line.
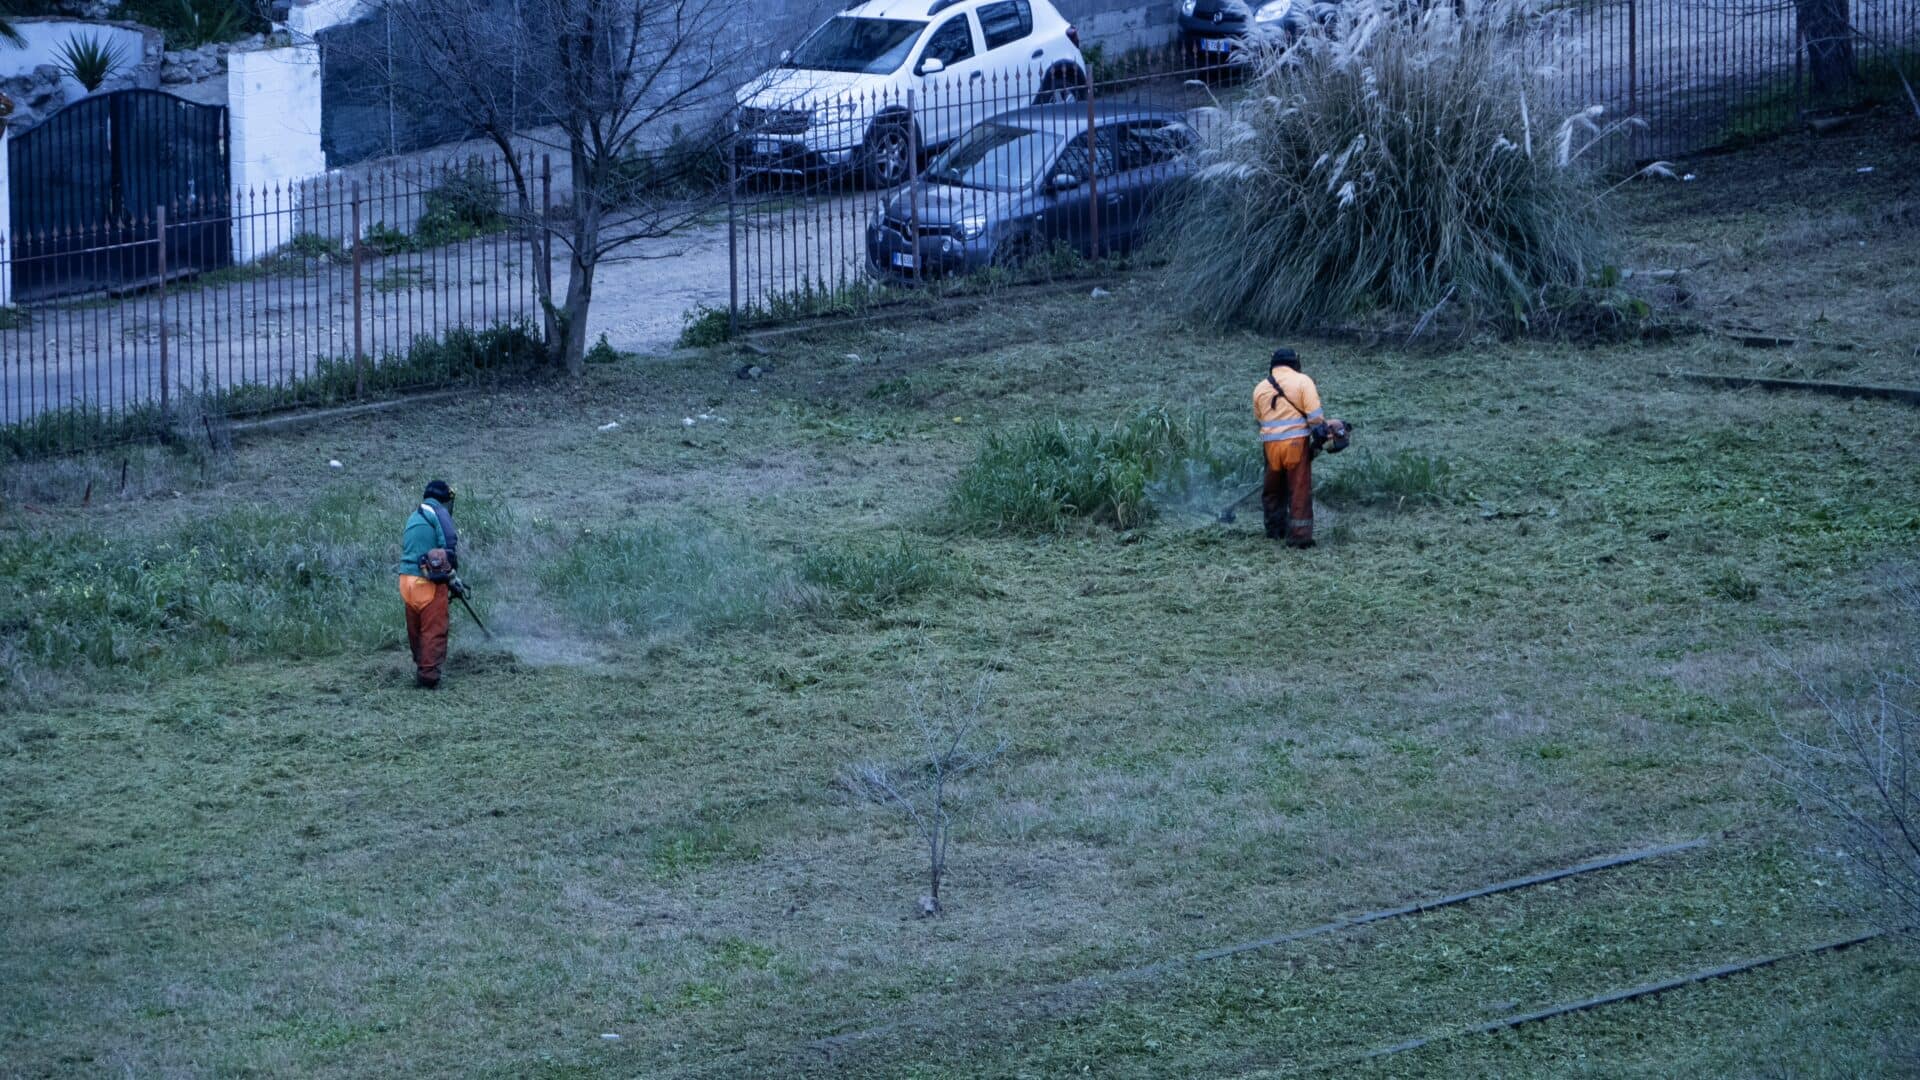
pixel 1858 771
pixel 927 789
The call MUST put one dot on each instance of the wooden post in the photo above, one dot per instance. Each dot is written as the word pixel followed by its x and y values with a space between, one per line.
pixel 359 341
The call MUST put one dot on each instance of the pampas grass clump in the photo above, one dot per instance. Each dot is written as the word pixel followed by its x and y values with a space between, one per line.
pixel 1382 164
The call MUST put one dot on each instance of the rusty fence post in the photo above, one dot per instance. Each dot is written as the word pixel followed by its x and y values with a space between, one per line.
pixel 1093 172
pixel 913 181
pixel 166 373
pixel 359 318
pixel 733 236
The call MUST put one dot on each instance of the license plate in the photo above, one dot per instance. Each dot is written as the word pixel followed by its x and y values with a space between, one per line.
pixel 1219 45
pixel 769 147
pixel 905 261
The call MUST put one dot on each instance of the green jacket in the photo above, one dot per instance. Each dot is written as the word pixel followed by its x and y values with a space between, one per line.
pixel 422 535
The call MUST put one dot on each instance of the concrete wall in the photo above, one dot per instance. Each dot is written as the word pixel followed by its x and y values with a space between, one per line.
pixel 274 95
pixel 1119 25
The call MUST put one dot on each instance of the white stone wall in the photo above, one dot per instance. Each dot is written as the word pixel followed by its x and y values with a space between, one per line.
pixel 274 95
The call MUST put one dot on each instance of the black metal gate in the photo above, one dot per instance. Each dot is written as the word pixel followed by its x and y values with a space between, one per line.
pixel 92 183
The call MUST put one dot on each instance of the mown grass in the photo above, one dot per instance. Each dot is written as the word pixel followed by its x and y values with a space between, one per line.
pixel 297 865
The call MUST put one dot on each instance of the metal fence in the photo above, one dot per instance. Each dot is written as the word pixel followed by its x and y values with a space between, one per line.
pixel 335 284
pixel 826 215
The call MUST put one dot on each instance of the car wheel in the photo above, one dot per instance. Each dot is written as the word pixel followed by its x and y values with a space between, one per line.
pixel 885 156
pixel 1060 85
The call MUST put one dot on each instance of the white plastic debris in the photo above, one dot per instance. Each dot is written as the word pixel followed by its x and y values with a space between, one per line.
pixel 1689 178
pixel 335 464
pixel 853 357
pixel 1864 169
pixel 687 421
pixel 611 425
pixel 1100 293
pixel 610 1036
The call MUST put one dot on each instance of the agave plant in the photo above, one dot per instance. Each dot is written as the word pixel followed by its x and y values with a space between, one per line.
pixel 90 61
pixel 9 35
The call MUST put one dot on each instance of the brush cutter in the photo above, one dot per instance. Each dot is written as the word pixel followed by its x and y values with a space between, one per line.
pixel 1233 507
pixel 459 590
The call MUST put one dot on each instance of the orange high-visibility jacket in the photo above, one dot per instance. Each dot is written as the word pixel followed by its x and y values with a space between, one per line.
pixel 1290 412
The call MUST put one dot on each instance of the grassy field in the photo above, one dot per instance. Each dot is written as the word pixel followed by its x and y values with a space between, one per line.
pixel 1546 622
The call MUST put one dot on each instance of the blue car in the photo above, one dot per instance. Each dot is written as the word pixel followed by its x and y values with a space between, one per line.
pixel 1026 182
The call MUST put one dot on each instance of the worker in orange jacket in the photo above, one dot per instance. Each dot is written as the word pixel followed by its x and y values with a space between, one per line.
pixel 1286 405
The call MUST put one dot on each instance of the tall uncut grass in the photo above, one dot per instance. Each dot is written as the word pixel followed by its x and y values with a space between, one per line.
pixel 1045 476
pixel 1382 164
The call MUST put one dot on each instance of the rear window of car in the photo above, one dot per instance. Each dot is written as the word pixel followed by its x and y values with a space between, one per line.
pixel 1006 22
pixel 869 46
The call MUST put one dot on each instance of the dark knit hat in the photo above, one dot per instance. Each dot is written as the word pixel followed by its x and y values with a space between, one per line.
pixel 439 491
pixel 1284 357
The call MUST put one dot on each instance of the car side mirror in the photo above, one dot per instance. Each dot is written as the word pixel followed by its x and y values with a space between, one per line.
pixel 1062 182
pixel 932 65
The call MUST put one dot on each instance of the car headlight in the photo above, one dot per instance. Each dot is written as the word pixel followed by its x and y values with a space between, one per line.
pixel 971 227
pixel 1187 6
pixel 1274 12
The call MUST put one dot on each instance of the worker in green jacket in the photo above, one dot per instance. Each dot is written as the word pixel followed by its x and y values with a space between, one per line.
pixel 429 554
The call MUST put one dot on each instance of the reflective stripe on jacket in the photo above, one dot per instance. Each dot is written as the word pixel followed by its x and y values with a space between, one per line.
pixel 1288 413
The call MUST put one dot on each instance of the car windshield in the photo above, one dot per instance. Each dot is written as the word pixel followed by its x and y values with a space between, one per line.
pixel 868 46
pixel 997 157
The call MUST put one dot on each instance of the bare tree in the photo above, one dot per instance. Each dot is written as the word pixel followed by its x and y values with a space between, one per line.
pixel 1860 772
pixel 926 787
pixel 598 82
pixel 1826 28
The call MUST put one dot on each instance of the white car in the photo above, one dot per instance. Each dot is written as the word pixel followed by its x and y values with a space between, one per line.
pixel 885 76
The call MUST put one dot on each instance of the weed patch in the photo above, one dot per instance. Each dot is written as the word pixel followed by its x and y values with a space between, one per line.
pixel 867 579
pixel 1042 477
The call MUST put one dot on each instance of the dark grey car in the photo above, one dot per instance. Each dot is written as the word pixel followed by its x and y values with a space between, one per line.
pixel 1026 182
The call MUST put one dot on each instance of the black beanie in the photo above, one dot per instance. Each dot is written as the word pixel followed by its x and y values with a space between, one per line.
pixel 1284 357
pixel 439 490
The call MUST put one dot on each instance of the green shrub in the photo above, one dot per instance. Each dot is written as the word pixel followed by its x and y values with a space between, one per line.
pixel 462 355
pixel 652 579
pixel 384 239
pixel 602 352
pixel 189 24
pixel 703 327
pixel 1389 168
pixel 1391 480
pixel 1044 476
pixel 464 204
pixel 15 318
pixel 866 579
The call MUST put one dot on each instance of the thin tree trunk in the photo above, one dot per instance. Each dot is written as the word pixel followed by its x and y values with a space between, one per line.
pixel 573 338
pixel 1826 29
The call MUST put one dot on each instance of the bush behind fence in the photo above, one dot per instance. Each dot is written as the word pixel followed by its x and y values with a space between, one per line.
pixel 311 293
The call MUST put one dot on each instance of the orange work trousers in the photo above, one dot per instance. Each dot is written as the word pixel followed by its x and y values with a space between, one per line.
pixel 1286 495
pixel 426 626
